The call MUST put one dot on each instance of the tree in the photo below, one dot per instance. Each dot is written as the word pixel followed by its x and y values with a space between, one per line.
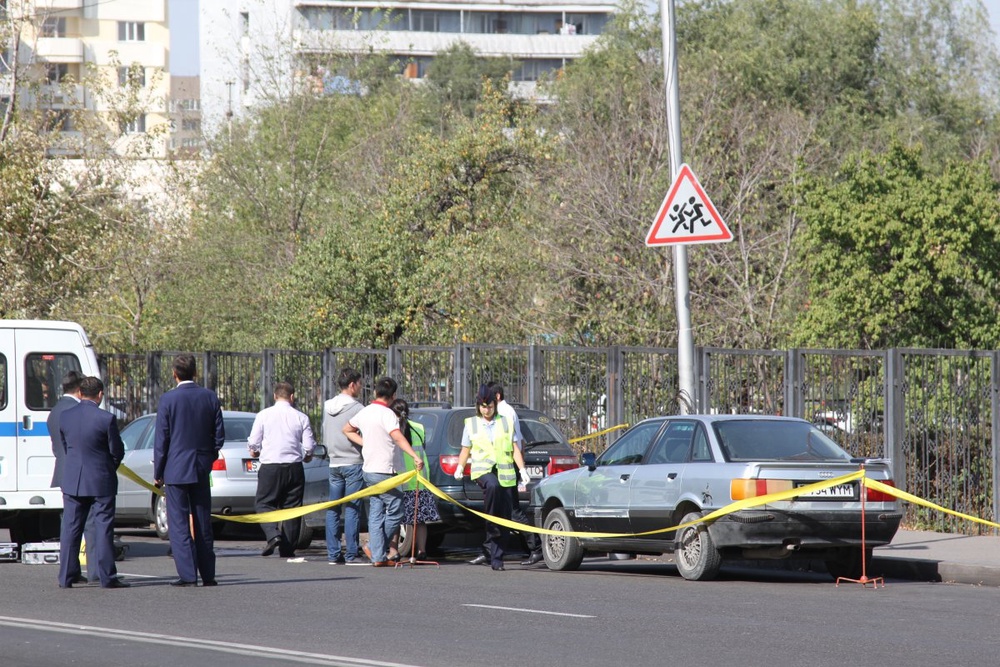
pixel 455 79
pixel 898 256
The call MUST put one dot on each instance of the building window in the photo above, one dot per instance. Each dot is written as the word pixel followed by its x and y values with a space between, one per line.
pixel 53 27
pixel 135 126
pixel 56 72
pixel 134 76
pixel 131 31
pixel 59 120
pixel 191 125
pixel 185 105
pixel 244 24
pixel 585 24
pixel 535 69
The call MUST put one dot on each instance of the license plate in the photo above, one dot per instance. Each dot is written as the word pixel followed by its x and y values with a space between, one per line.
pixel 535 472
pixel 251 465
pixel 840 491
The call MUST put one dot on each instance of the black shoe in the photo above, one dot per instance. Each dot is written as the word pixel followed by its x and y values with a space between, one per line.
pixel 79 579
pixel 480 560
pixel 272 544
pixel 498 568
pixel 181 582
pixel 533 558
pixel 117 583
pixel 209 582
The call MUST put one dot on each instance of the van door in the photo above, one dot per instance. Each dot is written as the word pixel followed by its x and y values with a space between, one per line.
pixel 43 357
pixel 8 412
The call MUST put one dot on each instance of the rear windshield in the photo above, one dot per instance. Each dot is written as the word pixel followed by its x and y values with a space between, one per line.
pixel 429 422
pixel 237 428
pixel 539 429
pixel 762 440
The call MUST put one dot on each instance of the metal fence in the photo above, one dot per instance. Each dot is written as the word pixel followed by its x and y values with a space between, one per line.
pixel 930 411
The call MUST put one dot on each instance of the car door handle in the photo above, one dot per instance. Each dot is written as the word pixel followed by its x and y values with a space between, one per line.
pixel 671 476
pixel 624 478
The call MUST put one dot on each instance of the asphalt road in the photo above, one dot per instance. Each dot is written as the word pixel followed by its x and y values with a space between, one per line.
pixel 268 612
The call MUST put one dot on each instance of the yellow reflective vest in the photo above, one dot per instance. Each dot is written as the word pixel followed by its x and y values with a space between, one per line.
pixel 486 453
pixel 417 442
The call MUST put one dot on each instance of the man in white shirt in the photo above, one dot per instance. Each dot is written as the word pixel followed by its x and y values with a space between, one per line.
pixel 376 430
pixel 282 438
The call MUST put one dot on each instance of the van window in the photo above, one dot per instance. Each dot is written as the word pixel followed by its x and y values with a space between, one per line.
pixel 43 374
pixel 3 382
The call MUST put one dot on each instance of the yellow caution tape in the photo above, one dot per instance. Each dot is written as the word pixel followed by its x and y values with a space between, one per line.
pixel 598 434
pixel 128 473
pixel 909 497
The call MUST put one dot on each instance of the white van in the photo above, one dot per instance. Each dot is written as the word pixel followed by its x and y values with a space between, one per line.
pixel 34 356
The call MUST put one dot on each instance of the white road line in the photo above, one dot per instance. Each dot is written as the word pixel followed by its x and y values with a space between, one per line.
pixel 529 611
pixel 281 655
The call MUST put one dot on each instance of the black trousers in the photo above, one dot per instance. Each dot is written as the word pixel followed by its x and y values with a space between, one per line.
pixel 281 486
pixel 496 502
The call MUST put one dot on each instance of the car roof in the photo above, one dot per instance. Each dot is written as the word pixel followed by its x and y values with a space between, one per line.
pixel 707 419
pixel 225 414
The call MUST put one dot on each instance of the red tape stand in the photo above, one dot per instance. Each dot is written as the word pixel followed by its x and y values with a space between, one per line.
pixel 413 543
pixel 864 580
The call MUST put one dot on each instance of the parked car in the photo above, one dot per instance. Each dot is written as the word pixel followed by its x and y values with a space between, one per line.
pixel 546 452
pixel 670 470
pixel 234 478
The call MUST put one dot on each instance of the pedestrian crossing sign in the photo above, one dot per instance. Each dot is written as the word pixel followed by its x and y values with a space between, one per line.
pixel 687 215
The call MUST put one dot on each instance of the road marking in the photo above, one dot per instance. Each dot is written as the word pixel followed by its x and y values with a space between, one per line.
pixel 281 655
pixel 529 611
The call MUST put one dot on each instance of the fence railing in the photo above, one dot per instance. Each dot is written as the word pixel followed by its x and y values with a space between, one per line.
pixel 934 413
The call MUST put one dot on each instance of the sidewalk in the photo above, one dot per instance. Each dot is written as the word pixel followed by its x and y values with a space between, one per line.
pixel 928 556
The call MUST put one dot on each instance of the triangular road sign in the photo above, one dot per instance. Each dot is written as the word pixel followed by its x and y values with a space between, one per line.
pixel 687 215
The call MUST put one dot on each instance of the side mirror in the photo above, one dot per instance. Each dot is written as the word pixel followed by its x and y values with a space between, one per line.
pixel 319 452
pixel 589 461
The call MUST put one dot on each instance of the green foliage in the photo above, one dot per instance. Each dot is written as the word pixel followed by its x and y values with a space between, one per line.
pixel 897 256
pixel 455 78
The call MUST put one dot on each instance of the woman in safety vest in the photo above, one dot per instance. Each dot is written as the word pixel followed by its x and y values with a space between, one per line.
pixel 421 504
pixel 489 441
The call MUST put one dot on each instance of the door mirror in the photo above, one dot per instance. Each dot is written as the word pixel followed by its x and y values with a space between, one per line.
pixel 589 461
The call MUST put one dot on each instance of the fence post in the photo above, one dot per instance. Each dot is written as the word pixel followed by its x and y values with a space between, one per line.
pixel 995 429
pixel 153 391
pixel 211 375
pixel 266 377
pixel 329 374
pixel 894 424
pixel 614 399
pixel 534 377
pixel 461 373
pixel 794 402
pixel 701 372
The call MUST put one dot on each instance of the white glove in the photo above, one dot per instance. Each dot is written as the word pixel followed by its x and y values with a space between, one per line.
pixel 524 477
pixel 459 474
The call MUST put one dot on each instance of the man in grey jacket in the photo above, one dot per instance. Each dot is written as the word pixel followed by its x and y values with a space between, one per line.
pixel 346 476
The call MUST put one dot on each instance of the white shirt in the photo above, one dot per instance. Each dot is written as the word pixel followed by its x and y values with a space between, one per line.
pixel 376 422
pixel 504 409
pixel 281 434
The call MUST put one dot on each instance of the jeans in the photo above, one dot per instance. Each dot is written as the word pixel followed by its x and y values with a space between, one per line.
pixel 344 480
pixel 385 513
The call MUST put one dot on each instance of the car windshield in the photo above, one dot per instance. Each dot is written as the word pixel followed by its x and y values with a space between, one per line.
pixel 765 440
pixel 237 428
pixel 536 431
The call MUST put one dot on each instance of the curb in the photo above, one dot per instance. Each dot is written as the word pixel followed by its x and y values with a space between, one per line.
pixel 915 569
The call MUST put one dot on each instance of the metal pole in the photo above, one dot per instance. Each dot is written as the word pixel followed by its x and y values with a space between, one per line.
pixel 685 336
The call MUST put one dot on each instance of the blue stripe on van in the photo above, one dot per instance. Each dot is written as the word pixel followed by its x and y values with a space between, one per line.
pixel 8 429
pixel 11 429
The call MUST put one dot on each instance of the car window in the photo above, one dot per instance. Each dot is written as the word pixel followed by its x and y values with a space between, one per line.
pixel 430 423
pixel 132 435
pixel 237 428
pixel 43 373
pixel 674 444
pixel 455 426
pixel 630 447
pixel 701 451
pixel 534 429
pixel 766 440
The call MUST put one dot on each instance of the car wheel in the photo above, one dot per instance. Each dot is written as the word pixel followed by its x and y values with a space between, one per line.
pixel 305 535
pixel 694 551
pixel 560 552
pixel 848 563
pixel 405 540
pixel 160 517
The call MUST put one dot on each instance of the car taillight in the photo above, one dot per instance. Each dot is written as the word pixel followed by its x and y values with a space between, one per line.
pixel 741 489
pixel 874 496
pixel 562 463
pixel 219 464
pixel 449 463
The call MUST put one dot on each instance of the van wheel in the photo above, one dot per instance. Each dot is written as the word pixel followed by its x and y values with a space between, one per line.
pixel 561 553
pixel 160 517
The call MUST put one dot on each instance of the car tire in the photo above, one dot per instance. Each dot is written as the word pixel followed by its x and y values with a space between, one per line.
pixel 305 535
pixel 160 517
pixel 847 564
pixel 695 553
pixel 560 553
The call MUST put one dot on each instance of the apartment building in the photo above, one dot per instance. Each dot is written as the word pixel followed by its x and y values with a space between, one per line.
pixel 254 50
pixel 118 48
pixel 185 116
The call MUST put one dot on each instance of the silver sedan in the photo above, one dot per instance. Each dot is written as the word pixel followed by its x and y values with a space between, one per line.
pixel 667 471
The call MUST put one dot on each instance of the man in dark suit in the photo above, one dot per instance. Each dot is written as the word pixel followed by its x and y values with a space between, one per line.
pixel 189 435
pixel 94 449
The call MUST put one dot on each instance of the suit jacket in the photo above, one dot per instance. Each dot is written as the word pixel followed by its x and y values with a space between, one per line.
pixel 189 434
pixel 58 446
pixel 94 448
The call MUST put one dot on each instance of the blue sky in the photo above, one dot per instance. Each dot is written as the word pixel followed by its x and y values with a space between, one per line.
pixel 183 15
pixel 993 6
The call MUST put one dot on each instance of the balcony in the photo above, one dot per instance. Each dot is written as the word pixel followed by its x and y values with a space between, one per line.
pixel 430 43
pixel 46 6
pixel 149 54
pixel 59 49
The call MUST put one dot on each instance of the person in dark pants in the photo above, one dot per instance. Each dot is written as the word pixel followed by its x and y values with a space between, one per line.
pixel 94 449
pixel 531 540
pixel 283 439
pixel 189 434
pixel 488 440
